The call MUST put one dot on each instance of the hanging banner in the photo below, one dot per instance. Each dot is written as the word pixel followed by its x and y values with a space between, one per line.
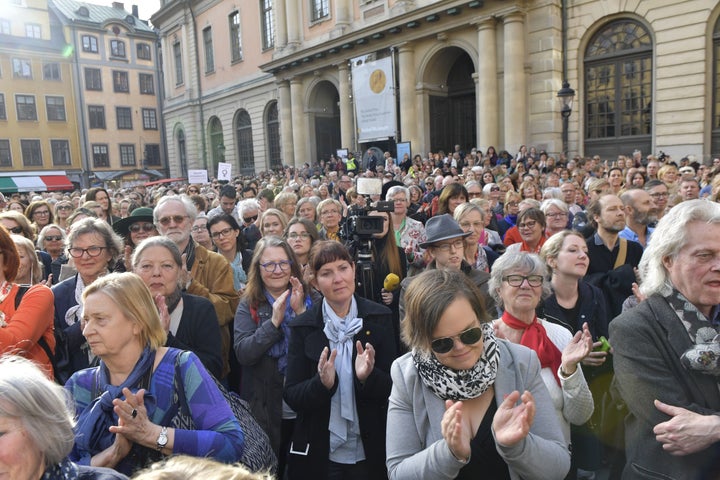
pixel 374 97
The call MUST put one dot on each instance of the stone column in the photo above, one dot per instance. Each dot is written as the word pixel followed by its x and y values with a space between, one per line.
pixel 346 109
pixel 516 109
pixel 342 12
pixel 293 22
pixel 281 32
pixel 301 142
pixel 487 114
pixel 408 96
pixel 286 127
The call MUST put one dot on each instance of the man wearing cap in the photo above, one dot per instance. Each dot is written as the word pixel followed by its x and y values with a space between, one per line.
pixel 445 245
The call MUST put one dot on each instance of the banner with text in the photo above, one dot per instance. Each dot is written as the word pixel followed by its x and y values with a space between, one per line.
pixel 374 97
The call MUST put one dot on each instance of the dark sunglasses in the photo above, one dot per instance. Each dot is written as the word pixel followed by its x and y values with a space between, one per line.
pixel 146 227
pixel 53 238
pixel 250 219
pixel 17 230
pixel 469 337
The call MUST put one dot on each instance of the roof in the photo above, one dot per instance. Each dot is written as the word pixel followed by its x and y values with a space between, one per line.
pixel 99 14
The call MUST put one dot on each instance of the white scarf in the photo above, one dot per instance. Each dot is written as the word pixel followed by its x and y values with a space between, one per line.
pixel 340 333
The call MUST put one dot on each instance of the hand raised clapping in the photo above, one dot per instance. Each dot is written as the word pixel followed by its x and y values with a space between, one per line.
pixel 326 367
pixel 512 422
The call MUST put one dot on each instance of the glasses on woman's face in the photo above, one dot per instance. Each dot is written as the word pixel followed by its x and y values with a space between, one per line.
pixel 64 207
pixel 77 252
pixel 517 280
pixel 221 233
pixel 42 213
pixel 17 230
pixel 530 224
pixel 53 238
pixel 271 267
pixel 469 337
pixel 145 227
pixel 494 189
pixel 199 228
pixel 556 215
pixel 474 194
pixel 296 235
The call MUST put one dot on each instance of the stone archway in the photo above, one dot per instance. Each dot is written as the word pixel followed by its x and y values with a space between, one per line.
pixel 451 99
pixel 323 121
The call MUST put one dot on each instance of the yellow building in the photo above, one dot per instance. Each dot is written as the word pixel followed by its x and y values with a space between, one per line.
pixel 38 106
pixel 117 70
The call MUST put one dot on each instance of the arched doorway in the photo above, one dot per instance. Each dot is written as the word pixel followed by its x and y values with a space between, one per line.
pixel 451 91
pixel 217 148
pixel 324 120
pixel 618 90
pixel 244 139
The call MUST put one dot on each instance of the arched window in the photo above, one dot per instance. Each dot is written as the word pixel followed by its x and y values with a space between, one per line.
pixel 216 144
pixel 243 132
pixel 272 129
pixel 182 153
pixel 618 90
pixel 715 147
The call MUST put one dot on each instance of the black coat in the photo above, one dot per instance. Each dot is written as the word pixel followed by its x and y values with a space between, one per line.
pixel 306 395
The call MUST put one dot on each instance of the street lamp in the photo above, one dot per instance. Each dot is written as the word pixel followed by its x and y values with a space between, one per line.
pixel 566 96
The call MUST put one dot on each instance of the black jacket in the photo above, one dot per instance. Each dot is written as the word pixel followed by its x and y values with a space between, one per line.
pixel 306 395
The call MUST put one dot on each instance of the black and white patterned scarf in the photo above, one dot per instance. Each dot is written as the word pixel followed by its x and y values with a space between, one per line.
pixel 451 384
pixel 704 355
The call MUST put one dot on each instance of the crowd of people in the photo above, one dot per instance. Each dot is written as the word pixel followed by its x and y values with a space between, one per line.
pixel 503 316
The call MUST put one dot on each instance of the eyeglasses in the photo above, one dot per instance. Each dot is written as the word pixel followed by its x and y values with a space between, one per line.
pixel 445 247
pixel 221 233
pixel 165 221
pixel 469 337
pixel 556 215
pixel 77 252
pixel 512 204
pixel 250 219
pixel 17 230
pixel 474 194
pixel 660 195
pixel 399 200
pixel 64 207
pixel 41 212
pixel 294 235
pixel 53 238
pixel 199 228
pixel 329 212
pixel 145 227
pixel 531 224
pixel 270 267
pixel 494 189
pixel 517 280
pixel 466 225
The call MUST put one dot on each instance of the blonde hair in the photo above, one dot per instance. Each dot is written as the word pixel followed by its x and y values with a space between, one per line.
pixel 21 242
pixel 183 467
pixel 135 301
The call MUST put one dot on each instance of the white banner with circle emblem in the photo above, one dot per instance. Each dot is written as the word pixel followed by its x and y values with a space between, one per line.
pixel 374 97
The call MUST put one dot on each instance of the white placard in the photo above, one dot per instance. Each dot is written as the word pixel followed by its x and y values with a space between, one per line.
pixel 197 176
pixel 224 171
pixel 374 97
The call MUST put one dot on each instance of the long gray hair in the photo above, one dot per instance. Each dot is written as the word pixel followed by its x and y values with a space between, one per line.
pixel 668 239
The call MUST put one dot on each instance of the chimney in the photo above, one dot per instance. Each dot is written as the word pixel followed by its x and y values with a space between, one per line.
pixel 118 5
pixel 135 11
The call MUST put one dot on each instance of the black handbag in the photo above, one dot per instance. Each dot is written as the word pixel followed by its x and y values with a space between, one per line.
pixel 258 455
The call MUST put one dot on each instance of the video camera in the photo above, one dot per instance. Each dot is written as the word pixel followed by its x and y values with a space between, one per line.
pixel 360 226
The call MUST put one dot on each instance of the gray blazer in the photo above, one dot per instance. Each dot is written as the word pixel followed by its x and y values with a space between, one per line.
pixel 648 341
pixel 415 445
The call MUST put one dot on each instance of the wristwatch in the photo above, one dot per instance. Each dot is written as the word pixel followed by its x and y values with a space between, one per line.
pixel 162 439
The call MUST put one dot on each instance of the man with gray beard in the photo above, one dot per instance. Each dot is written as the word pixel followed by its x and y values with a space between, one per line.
pixel 613 260
pixel 640 211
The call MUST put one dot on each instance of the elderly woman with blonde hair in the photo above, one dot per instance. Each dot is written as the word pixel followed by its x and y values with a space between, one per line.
pixel 37 425
pixel 128 405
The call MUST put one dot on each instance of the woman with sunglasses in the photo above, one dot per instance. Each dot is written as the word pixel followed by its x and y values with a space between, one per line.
pixel 337 378
pixel 133 229
pixel 230 242
pixel 93 248
pixel 465 404
pixel 52 240
pixel 63 209
pixel 276 293
pixel 518 282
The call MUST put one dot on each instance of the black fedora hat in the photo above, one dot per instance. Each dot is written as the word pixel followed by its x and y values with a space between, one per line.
pixel 142 214
pixel 442 227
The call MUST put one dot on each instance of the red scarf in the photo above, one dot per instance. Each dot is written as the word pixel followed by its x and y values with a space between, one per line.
pixel 535 337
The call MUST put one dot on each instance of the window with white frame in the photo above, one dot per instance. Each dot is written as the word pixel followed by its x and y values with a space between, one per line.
pixel 33 30
pixel 25 107
pixel 149 116
pixel 124 118
pixel 235 37
pixel 96 116
pixel 319 9
pixel 22 68
pixel 89 44
pixel 5 153
pixel 31 153
pixel 117 48
pixel 143 51
pixel 127 155
pixel 55 107
pixel 60 152
pixel 121 83
pixel 5 27
pixel 266 22
pixel 100 155
pixel 147 84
